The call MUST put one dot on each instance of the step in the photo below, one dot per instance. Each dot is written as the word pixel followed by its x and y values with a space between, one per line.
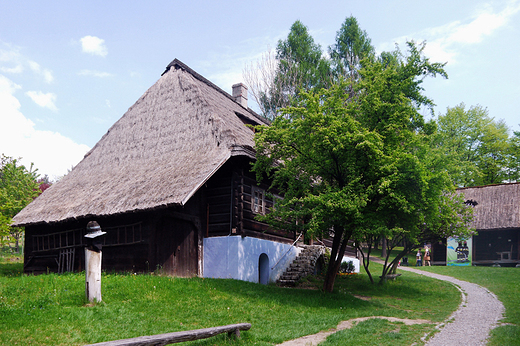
pixel 302 265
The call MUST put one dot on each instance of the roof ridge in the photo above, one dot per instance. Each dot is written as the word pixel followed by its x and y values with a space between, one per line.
pixel 489 185
pixel 176 63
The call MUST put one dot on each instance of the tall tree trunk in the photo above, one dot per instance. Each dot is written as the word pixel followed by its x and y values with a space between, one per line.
pixel 16 235
pixel 366 259
pixel 339 244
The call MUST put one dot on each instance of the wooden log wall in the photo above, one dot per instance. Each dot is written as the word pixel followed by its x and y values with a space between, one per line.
pixel 244 183
pixel 124 246
pixel 218 195
pixel 230 209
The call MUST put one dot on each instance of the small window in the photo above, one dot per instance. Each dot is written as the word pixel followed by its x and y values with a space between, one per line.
pixel 258 200
pixel 276 200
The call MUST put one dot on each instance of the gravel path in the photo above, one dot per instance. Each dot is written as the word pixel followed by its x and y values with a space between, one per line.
pixel 479 312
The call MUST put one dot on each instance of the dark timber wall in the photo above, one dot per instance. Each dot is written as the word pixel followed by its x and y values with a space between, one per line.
pixel 229 204
pixel 60 247
pixel 488 246
pixel 166 239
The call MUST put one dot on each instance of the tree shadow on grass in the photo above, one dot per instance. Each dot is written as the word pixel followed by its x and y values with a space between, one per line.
pixel 10 268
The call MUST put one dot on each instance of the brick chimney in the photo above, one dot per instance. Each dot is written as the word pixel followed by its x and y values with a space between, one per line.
pixel 240 94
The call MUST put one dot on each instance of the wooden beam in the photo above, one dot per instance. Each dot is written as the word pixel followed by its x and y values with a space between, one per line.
pixel 176 337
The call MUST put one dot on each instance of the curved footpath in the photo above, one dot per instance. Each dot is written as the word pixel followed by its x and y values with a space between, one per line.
pixel 478 313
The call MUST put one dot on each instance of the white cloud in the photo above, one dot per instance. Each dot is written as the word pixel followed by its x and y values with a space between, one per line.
pixel 444 42
pixel 438 52
pixel 8 53
pixel 46 73
pixel 34 66
pixel 17 69
pixel 11 55
pixel 94 45
pixel 484 23
pixel 94 73
pixel 51 152
pixel 135 74
pixel 43 100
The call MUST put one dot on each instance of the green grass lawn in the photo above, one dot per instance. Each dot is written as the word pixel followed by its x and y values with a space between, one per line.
pixel 51 309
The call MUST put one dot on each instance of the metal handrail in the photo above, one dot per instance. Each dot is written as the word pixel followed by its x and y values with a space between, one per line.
pixel 322 243
pixel 286 252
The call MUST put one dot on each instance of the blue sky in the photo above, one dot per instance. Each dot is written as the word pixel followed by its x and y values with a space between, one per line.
pixel 69 69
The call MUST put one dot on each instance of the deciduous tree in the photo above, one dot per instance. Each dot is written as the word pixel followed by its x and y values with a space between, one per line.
pixel 513 158
pixel 475 146
pixel 326 164
pixel 18 187
pixel 405 208
pixel 358 167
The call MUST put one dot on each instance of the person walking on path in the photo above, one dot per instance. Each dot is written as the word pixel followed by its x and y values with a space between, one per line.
pixel 427 257
pixel 418 259
pixel 479 312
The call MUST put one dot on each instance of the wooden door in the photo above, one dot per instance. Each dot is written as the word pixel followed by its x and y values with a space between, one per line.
pixel 177 247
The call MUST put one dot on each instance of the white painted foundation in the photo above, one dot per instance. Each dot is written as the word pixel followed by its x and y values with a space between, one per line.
pixel 234 257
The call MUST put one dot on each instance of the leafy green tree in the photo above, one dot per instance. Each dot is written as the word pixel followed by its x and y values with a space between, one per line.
pixel 297 65
pixel 513 158
pixel 351 47
pixel 406 207
pixel 301 60
pixel 358 168
pixel 326 165
pixel 18 187
pixel 475 146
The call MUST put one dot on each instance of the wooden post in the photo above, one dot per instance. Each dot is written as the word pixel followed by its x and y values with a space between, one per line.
pixel 93 262
pixel 93 275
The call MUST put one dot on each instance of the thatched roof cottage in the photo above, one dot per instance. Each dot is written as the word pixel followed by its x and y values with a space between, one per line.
pixel 497 222
pixel 170 183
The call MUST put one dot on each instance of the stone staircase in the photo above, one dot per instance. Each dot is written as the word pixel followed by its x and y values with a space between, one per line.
pixel 302 265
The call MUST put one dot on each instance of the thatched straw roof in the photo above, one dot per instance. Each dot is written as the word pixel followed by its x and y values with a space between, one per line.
pixel 498 206
pixel 167 145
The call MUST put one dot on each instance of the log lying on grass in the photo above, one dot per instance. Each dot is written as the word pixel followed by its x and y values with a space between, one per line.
pixel 172 338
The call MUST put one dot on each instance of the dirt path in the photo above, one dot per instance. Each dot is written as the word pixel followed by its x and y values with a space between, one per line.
pixel 479 312
pixel 315 339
